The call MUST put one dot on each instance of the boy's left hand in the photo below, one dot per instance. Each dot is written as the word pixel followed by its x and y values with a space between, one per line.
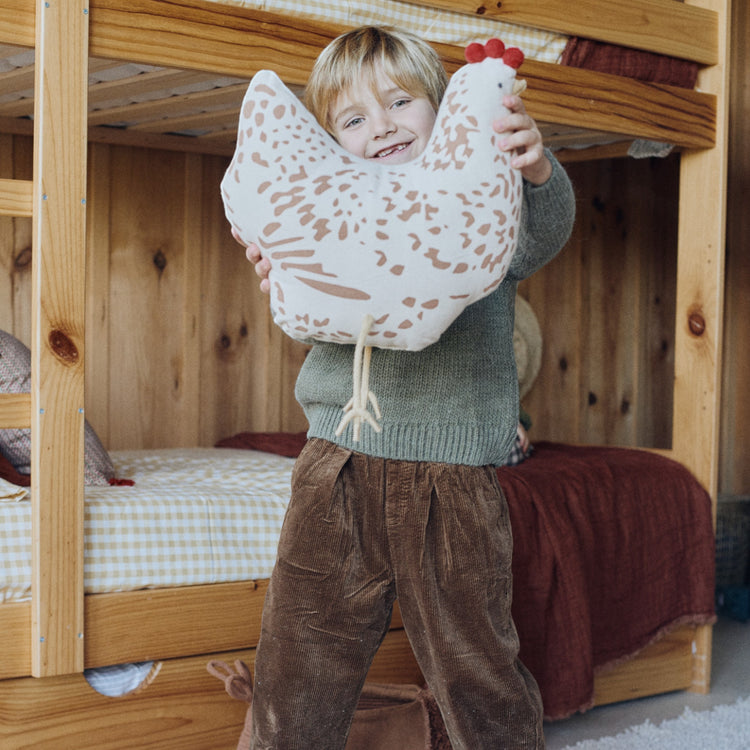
pixel 522 135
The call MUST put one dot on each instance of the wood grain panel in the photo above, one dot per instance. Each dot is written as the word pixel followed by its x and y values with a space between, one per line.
pixel 15 244
pixel 658 26
pixel 642 676
pixel 15 410
pixel 65 713
pixel 58 298
pixel 734 477
pixel 606 308
pixel 15 197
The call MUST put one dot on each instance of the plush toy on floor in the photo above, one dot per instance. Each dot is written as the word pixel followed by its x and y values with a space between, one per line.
pixel 370 254
pixel 387 716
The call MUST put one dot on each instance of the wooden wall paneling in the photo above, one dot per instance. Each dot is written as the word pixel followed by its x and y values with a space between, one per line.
pixel 608 340
pixel 98 342
pixel 556 296
pixel 254 365
pixel 655 231
pixel 147 304
pixel 230 352
pixel 6 241
pixel 606 308
pixel 16 160
pixel 734 471
pixel 186 367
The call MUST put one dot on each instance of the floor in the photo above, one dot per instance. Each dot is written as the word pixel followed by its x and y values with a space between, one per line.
pixel 729 681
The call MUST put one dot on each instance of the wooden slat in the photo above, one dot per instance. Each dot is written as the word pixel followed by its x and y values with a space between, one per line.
pixel 700 303
pixel 143 83
pixel 239 42
pixel 16 197
pixel 661 667
pixel 15 625
pixel 25 107
pixel 734 473
pixel 164 142
pixel 15 410
pixel 619 105
pixel 17 22
pixel 700 289
pixel 58 272
pixel 221 98
pixel 197 121
pixel 20 79
pixel 155 624
pixel 661 26
pixel 164 623
pixel 180 706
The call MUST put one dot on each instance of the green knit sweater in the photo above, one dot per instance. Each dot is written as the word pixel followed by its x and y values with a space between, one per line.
pixel 455 401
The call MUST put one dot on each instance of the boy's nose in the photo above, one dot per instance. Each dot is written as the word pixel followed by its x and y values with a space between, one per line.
pixel 383 125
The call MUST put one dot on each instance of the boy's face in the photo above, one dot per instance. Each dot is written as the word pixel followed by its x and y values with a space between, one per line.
pixel 375 119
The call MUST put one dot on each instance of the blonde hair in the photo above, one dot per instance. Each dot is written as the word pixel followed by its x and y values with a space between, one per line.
pixel 406 59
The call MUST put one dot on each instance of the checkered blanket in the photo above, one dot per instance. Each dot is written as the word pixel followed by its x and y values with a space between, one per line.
pixel 201 515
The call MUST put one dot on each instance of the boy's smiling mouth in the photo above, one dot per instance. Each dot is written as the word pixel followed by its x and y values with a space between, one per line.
pixel 398 148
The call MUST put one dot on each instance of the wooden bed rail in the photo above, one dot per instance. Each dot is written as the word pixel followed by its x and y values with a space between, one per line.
pixel 57 362
pixel 686 30
pixel 669 28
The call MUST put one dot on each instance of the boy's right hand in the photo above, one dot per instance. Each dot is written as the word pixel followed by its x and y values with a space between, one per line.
pixel 262 265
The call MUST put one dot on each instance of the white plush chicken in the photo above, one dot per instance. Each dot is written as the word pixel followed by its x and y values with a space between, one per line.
pixel 387 256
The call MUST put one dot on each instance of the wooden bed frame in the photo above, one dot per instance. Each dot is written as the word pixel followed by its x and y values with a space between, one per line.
pixel 44 700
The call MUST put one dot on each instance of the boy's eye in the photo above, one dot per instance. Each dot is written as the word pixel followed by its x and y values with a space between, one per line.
pixel 354 121
pixel 400 103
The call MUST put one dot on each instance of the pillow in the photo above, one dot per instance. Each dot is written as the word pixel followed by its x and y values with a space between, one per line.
pixel 405 248
pixel 9 473
pixel 12 493
pixel 15 444
pixel 527 345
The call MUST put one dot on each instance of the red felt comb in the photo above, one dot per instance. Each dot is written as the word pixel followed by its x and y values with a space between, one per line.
pixel 476 52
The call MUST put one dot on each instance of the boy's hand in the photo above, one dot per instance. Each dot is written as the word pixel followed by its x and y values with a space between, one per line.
pixel 262 265
pixel 522 135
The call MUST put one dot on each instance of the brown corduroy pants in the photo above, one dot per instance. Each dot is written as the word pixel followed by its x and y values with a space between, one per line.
pixel 359 532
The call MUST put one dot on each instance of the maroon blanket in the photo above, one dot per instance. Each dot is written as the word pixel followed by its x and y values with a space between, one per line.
pixel 633 63
pixel 612 547
pixel 9 473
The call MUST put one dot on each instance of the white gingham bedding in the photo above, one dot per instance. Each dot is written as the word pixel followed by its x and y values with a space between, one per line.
pixel 200 515
pixel 432 24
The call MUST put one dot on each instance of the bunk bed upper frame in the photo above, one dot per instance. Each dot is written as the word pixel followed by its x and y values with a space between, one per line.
pixel 62 631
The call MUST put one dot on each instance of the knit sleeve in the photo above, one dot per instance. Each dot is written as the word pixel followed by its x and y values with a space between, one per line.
pixel 547 217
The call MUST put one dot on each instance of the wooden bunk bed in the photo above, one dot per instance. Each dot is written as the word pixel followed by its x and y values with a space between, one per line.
pixel 50 640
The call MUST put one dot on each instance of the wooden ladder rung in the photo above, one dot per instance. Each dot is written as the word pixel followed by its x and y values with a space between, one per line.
pixel 15 410
pixel 16 197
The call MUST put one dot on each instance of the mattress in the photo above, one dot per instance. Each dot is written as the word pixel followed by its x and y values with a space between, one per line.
pixel 192 516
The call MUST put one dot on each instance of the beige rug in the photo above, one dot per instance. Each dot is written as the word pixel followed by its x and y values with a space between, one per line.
pixel 724 727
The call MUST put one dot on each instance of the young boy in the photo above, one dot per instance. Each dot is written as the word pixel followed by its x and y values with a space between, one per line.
pixel 414 512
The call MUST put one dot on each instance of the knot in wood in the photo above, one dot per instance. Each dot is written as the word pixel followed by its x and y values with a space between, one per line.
pixel 63 347
pixel 160 260
pixel 23 258
pixel 697 324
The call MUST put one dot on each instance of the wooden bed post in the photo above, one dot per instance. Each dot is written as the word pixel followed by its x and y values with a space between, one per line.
pixel 700 302
pixel 58 268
